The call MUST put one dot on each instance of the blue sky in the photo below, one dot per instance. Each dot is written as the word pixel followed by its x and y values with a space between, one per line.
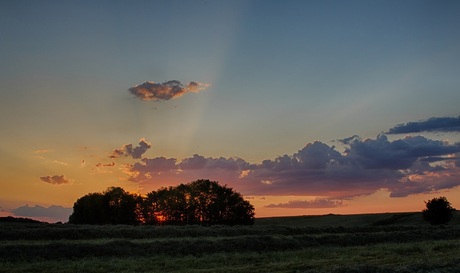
pixel 276 76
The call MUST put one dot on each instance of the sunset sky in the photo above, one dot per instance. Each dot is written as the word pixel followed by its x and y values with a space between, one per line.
pixel 304 107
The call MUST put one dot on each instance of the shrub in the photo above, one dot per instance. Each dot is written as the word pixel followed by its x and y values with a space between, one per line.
pixel 438 211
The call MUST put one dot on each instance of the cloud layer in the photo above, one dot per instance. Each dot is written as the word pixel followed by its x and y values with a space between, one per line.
pixel 50 214
pixel 55 179
pixel 403 167
pixel 151 91
pixel 434 124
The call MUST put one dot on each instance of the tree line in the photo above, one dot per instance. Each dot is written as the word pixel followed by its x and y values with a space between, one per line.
pixel 201 202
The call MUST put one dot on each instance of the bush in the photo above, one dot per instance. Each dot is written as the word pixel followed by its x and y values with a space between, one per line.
pixel 438 211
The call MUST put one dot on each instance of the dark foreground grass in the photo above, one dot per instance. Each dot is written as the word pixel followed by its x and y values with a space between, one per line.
pixel 440 256
pixel 40 248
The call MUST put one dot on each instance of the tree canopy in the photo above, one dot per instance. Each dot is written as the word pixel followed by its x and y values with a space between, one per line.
pixel 202 202
pixel 438 211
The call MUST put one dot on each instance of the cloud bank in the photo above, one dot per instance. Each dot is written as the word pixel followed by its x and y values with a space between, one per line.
pixel 406 166
pixel 55 179
pixel 151 91
pixel 403 167
pixel 434 124
pixel 49 214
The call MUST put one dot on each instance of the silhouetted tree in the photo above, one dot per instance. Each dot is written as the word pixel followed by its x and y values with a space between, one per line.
pixel 201 202
pixel 114 206
pixel 215 204
pixel 90 209
pixel 121 206
pixel 438 211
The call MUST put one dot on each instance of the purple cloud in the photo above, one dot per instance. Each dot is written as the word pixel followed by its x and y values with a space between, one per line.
pixel 194 163
pixel 365 167
pixel 127 150
pixel 434 124
pixel 411 165
pixel 151 167
pixel 50 214
pixel 188 168
pixel 166 90
pixel 399 154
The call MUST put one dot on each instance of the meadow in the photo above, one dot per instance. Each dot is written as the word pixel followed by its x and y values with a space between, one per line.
pixel 393 242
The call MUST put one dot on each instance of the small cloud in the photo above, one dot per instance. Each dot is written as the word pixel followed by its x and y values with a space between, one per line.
pixel 348 140
pixel 105 165
pixel 55 179
pixel 60 163
pixel 128 150
pixel 434 124
pixel 166 90
pixel 304 204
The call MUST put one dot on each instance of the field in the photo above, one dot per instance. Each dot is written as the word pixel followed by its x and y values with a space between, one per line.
pixel 332 243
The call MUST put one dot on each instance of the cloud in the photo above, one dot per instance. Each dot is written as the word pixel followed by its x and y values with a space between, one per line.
pixel 434 124
pixel 60 162
pixel 150 167
pixel 399 154
pixel 194 163
pixel 48 214
pixel 55 179
pixel 365 167
pixel 105 165
pixel 165 91
pixel 304 204
pixel 221 168
pixel 128 150
pixel 42 151
pixel 348 140
pixel 410 165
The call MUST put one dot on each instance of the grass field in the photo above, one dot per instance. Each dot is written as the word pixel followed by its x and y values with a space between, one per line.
pixel 331 243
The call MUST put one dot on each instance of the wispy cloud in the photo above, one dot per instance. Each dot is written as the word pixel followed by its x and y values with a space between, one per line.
pixel 42 151
pixel 312 204
pixel 151 91
pixel 127 150
pixel 55 179
pixel 434 124
pixel 60 163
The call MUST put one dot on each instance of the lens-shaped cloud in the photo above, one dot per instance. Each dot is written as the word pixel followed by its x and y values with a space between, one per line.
pixel 152 91
pixel 434 124
pixel 55 179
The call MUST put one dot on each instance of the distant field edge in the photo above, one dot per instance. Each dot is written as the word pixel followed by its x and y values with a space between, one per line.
pixel 352 220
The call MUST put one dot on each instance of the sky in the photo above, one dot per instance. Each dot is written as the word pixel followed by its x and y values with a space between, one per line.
pixel 304 107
